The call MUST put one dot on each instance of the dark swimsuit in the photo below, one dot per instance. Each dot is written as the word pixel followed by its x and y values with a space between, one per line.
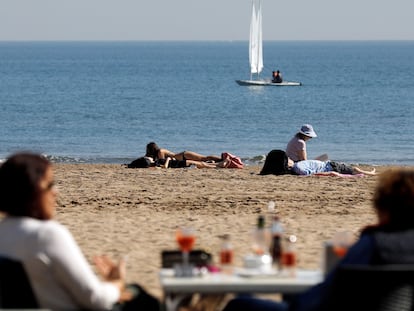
pixel 177 163
pixel 172 164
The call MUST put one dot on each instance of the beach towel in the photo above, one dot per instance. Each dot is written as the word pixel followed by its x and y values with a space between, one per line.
pixel 337 175
pixel 233 161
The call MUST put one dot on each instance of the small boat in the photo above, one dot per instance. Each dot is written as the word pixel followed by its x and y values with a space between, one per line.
pixel 256 51
pixel 267 82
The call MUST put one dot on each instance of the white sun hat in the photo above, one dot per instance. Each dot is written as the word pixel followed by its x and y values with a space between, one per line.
pixel 307 130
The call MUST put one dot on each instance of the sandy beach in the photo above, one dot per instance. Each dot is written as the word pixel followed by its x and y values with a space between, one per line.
pixel 113 210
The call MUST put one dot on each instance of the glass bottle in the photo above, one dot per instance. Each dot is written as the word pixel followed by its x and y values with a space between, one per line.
pixel 260 245
pixel 276 243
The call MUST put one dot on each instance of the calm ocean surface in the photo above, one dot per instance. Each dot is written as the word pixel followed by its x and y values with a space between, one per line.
pixel 102 102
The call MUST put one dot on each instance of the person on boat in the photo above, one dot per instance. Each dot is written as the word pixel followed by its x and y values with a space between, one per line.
pixel 387 241
pixel 276 77
pixel 156 153
pixel 296 148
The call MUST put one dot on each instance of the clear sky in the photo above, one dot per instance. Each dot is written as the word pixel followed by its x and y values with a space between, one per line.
pixel 205 20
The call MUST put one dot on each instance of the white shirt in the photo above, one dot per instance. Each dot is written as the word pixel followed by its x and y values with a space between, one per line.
pixel 309 167
pixel 60 275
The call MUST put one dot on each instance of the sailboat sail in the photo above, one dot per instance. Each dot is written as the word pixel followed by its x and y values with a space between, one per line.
pixel 255 42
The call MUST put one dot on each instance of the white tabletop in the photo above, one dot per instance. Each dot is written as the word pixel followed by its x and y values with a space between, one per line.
pixel 239 282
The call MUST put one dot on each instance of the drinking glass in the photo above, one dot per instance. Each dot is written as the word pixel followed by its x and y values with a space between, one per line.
pixel 288 255
pixel 341 241
pixel 185 238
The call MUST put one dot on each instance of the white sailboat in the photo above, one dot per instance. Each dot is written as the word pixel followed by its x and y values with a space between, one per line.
pixel 256 50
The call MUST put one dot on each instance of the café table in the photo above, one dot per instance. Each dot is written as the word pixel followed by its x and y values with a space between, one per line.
pixel 240 281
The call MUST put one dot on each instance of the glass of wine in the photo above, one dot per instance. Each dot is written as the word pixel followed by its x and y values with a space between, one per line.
pixel 185 238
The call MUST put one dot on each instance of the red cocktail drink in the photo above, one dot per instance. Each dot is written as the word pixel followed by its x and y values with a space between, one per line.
pixel 226 256
pixel 185 238
pixel 288 259
pixel 186 242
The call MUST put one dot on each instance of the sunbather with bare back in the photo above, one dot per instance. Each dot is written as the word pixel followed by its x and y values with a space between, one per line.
pixel 156 153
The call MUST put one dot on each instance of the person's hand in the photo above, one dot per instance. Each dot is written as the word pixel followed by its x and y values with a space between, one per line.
pixel 114 273
pixel 167 161
pixel 126 295
pixel 110 270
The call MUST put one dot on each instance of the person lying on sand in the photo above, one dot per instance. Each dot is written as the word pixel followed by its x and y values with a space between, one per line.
pixel 278 163
pixel 329 168
pixel 174 163
pixel 156 153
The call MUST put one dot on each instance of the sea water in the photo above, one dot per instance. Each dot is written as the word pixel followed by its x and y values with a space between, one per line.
pixel 102 102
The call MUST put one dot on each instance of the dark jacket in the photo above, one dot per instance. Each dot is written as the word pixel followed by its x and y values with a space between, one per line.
pixel 377 245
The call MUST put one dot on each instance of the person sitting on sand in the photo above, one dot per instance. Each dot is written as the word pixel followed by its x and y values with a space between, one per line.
pixel 296 147
pixel 278 163
pixel 389 241
pixel 156 153
pixel 59 274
